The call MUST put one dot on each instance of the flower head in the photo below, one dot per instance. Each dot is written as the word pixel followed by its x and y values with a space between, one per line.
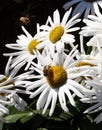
pixel 84 6
pixel 56 79
pixel 95 99
pixel 91 29
pixel 55 33
pixel 25 46
pixel 95 83
pixel 9 83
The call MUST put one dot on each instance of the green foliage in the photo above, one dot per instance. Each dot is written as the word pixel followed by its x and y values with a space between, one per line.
pixel 34 120
pixel 23 117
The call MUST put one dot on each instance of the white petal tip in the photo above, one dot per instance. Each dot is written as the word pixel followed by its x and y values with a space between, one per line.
pixel 31 96
pixel 85 112
pixel 28 89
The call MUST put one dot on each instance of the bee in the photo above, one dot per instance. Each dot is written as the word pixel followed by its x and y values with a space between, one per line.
pixel 24 20
pixel 46 70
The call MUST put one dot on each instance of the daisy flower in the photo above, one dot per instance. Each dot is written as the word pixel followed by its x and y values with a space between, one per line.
pixel 3 111
pixel 85 7
pixel 95 55
pixel 95 99
pixel 8 91
pixel 24 50
pixel 56 80
pixel 93 25
pixel 55 33
pixel 92 60
pixel 8 87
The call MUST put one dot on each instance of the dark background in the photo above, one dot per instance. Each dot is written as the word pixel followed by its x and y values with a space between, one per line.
pixel 10 25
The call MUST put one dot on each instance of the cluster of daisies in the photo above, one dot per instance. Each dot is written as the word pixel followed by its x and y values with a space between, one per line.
pixel 55 67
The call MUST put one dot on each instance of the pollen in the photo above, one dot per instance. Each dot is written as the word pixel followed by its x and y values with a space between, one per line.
pixel 3 80
pixel 56 34
pixel 32 46
pixel 56 76
pixel 83 63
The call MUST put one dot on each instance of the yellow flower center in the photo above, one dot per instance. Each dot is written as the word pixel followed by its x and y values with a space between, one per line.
pixel 56 33
pixel 82 63
pixel 56 75
pixel 3 80
pixel 89 0
pixel 32 46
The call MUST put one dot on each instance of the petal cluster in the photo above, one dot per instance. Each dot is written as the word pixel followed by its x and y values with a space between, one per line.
pixel 52 67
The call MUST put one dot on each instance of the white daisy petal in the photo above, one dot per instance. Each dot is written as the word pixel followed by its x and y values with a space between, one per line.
pixel 66 16
pixel 89 7
pixel 69 96
pixel 3 109
pixel 26 32
pixel 62 100
pixel 56 17
pixel 80 8
pixel 96 8
pixel 42 99
pixel 39 90
pixel 98 119
pixel 50 95
pixel 75 91
pixel 87 11
pixel 53 104
pixel 55 80
pixel 56 32
pixel 36 84
pixel 70 3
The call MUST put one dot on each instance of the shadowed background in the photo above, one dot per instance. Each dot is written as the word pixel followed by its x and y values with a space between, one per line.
pixel 11 11
pixel 36 11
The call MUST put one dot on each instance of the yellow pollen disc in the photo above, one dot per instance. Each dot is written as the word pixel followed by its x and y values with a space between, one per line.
pixel 32 46
pixel 82 63
pixel 90 0
pixel 3 80
pixel 56 76
pixel 56 33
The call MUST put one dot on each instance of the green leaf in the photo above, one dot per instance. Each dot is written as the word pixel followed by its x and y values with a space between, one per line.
pixel 89 50
pixel 27 117
pixel 89 118
pixel 14 117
